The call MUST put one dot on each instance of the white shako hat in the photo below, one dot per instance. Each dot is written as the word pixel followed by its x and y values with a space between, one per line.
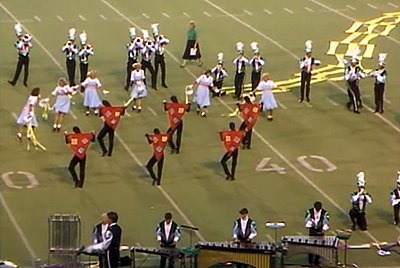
pixel 381 59
pixel 239 47
pixel 254 47
pixel 83 38
pixel 308 46
pixel 361 179
pixel 355 55
pixel 71 34
pixel 132 33
pixel 398 177
pixel 220 58
pixel 18 29
pixel 154 29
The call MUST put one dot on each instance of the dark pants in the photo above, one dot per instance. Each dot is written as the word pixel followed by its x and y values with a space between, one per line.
pixel 239 79
pixel 112 258
pixel 379 90
pixel 102 261
pixel 218 84
pixel 103 132
pixel 354 95
pixel 159 61
pixel 22 61
pixel 396 210
pixel 163 260
pixel 247 138
pixel 150 166
pixel 305 84
pixel 71 65
pixel 129 64
pixel 178 131
pixel 314 259
pixel 358 218
pixel 225 158
pixel 255 79
pixel 72 164
pixel 84 70
pixel 147 65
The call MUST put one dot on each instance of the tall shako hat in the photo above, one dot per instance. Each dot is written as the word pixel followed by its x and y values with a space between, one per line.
pixel 381 59
pixel 308 46
pixel 154 29
pixel 71 34
pixel 398 177
pixel 355 55
pixel 18 29
pixel 254 47
pixel 240 47
pixel 361 179
pixel 83 38
pixel 132 33
pixel 220 58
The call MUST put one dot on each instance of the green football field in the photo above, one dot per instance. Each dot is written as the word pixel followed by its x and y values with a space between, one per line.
pixel 309 152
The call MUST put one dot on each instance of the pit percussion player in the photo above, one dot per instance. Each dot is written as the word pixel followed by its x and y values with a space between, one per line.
pixel 98 235
pixel 257 62
pixel 244 229
pixel 70 49
pixel 395 200
pixel 306 65
pixel 317 223
pixel 168 234
pixel 23 46
pixel 360 199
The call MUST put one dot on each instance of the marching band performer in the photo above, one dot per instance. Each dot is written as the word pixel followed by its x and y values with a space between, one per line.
pixel 79 143
pixel 63 103
pixel 111 116
pixel 27 115
pixel 244 229
pixel 241 61
pixel 204 82
pixel 268 99
pixel 159 61
pixel 353 74
pixel 175 111
pixel 257 62
pixel 360 199
pixel 98 235
pixel 91 96
pixel 192 50
pixel 219 74
pixel 380 78
pixel 83 54
pixel 231 140
pixel 250 113
pixel 23 46
pixel 317 223
pixel 133 48
pixel 168 234
pixel 70 49
pixel 158 141
pixel 395 200
pixel 147 52
pixel 138 85
pixel 306 65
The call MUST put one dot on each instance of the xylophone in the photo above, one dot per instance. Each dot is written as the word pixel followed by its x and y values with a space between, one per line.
pixel 260 255
pixel 162 252
pixel 324 246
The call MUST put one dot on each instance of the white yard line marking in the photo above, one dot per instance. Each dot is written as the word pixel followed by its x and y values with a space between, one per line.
pixel 60 18
pixel 37 18
pixel 270 239
pixel 334 103
pixel 14 115
pixel 308 104
pixel 288 10
pixel 145 15
pixel 73 115
pixel 207 14
pixel 351 7
pixel 128 114
pixel 393 5
pixel 82 17
pixel 103 17
pixel 267 11
pixel 281 105
pixel 166 15
pixel 372 6
pixel 248 12
pixel 186 15
pixel 152 111
pixel 388 101
pixel 309 9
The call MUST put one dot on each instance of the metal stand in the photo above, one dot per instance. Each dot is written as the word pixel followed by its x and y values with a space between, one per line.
pixel 345 236
pixel 191 230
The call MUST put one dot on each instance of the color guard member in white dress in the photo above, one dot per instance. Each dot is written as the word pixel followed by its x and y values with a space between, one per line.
pixel 27 115
pixel 267 99
pixel 91 97
pixel 63 103
pixel 139 89
pixel 202 97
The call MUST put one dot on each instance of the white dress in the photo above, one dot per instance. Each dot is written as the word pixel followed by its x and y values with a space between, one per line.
pixel 138 90
pixel 91 98
pixel 202 96
pixel 23 117
pixel 267 98
pixel 63 103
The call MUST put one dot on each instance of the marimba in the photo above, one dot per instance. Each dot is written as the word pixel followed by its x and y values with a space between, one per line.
pixel 324 246
pixel 162 252
pixel 260 255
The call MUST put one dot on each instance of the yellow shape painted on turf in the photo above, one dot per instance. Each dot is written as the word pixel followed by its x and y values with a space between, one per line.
pixel 368 38
pixel 332 47
pixel 356 25
pixel 350 49
pixel 350 38
pixel 368 51
pixel 388 29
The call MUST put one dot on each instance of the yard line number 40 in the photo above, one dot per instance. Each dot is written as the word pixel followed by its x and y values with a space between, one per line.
pixel 265 164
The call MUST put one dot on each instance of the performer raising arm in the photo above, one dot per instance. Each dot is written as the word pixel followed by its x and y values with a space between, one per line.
pixel 360 199
pixel 257 62
pixel 70 49
pixel 168 234
pixel 244 229
pixel 84 54
pixel 27 115
pixel 219 74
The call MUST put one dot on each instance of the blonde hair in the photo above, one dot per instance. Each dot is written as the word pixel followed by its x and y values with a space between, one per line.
pixel 137 65
pixel 265 75
pixel 92 74
pixel 192 23
pixel 62 81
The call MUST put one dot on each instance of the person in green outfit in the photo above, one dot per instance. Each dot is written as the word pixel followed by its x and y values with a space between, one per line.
pixel 192 50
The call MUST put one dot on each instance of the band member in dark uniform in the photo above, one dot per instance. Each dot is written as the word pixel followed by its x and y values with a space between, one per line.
pixel 306 65
pixel 231 139
pixel 219 73
pixel 147 53
pixel 379 87
pixel 111 116
pixel 395 200
pixel 84 54
pixel 98 236
pixel 70 49
pixel 353 74
pixel 158 141
pixel 168 234
pixel 175 111
pixel 244 229
pixel 79 143
pixel 23 46
pixel 160 42
pixel 257 62
pixel 133 48
pixel 250 113
pixel 241 61
pixel 317 222
pixel 360 199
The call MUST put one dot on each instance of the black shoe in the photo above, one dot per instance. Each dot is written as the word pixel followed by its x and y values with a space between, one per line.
pixel 376 111
pixel 154 87
pixel 104 153
pixel 301 100
pixel 360 106
pixel 54 129
pixel 222 93
pixel 173 150
pixel 356 112
pixel 307 99
pixel 177 151
pixel 126 88
pixel 164 85
pixel 11 83
pixel 233 178
pixel 76 185
pixel 353 227
pixel 381 111
pixel 153 183
pixel 133 108
pixel 25 84
pixel 158 182
pixel 109 154
pixel 228 177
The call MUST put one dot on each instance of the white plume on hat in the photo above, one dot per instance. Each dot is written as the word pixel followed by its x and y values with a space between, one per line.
pixel 398 177
pixel 154 29
pixel 18 29
pixel 254 47
pixel 382 58
pixel 361 179
pixel 132 32
pixel 240 47
pixel 220 58
pixel 83 38
pixel 145 35
pixel 71 33
pixel 308 45
pixel 355 54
